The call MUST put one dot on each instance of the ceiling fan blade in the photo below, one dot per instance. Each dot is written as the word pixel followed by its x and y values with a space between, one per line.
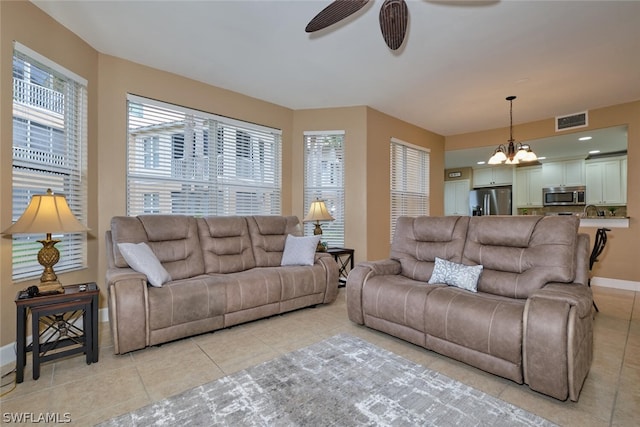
pixel 393 22
pixel 335 12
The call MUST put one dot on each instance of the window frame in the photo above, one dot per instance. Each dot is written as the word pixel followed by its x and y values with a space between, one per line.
pixel 325 181
pixel 49 151
pixel 238 173
pixel 409 187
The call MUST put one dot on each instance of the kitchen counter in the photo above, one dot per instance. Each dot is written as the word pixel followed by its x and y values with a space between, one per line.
pixel 605 221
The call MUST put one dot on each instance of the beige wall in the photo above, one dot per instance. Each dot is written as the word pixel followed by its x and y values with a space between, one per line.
pixel 351 120
pixel 23 22
pixel 380 129
pixel 620 257
pixel 118 78
pixel 367 136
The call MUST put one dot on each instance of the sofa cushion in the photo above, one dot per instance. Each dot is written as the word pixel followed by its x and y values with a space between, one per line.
pixel 300 250
pixel 418 241
pixel 141 258
pixel 186 300
pixel 521 254
pixel 485 323
pixel 226 244
pixel 397 299
pixel 252 288
pixel 455 274
pixel 268 235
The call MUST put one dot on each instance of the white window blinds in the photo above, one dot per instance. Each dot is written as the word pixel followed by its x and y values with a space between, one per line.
pixel 409 181
pixel 324 179
pixel 49 151
pixel 183 161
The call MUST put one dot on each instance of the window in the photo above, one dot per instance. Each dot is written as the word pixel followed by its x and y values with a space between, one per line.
pixel 172 168
pixel 324 179
pixel 409 181
pixel 49 151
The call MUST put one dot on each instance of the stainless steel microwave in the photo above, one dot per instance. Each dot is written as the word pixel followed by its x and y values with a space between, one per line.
pixel 563 196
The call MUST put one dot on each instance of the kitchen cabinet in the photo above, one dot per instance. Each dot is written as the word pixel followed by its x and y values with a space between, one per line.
pixel 606 182
pixel 492 176
pixel 456 197
pixel 528 188
pixel 564 173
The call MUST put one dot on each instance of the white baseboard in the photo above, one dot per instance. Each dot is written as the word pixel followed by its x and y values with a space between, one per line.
pixel 605 282
pixel 8 352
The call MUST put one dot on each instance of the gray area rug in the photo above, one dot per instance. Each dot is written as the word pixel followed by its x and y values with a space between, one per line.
pixel 341 381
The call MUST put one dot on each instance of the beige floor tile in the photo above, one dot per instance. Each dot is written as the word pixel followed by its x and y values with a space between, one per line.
pixel 231 366
pixel 615 302
pixel 562 413
pixel 81 397
pixel 74 368
pixel 106 413
pixel 177 371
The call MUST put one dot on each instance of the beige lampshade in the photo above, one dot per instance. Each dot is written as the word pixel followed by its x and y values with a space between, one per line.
pixel 318 212
pixel 46 213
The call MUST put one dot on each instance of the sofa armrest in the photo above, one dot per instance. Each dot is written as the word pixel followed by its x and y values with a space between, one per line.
pixel 558 339
pixel 331 268
pixel 128 309
pixel 357 279
pixel 577 295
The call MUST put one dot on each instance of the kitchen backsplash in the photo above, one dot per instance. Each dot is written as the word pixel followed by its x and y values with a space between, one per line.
pixel 618 211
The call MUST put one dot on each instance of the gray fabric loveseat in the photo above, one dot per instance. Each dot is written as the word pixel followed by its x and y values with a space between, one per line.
pixel 529 320
pixel 222 271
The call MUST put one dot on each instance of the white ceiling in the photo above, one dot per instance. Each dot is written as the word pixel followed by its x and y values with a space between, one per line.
pixel 458 63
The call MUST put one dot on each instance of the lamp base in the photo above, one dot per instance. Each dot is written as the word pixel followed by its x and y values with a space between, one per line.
pixel 48 256
pixel 316 231
pixel 50 288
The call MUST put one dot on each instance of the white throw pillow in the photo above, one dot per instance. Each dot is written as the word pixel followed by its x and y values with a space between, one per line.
pixel 300 250
pixel 141 258
pixel 454 274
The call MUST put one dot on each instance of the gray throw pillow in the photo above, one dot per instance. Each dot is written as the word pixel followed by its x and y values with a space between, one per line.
pixel 454 274
pixel 141 258
pixel 300 250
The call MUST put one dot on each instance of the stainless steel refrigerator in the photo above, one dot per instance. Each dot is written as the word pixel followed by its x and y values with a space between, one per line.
pixel 490 201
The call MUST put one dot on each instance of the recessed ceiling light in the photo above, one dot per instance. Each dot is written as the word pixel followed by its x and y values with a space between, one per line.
pixel 542 158
pixel 481 162
pixel 594 151
pixel 584 138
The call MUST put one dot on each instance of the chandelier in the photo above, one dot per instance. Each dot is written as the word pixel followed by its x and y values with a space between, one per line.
pixel 512 154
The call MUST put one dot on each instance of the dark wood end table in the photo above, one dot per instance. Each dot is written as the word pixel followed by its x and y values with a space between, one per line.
pixel 54 326
pixel 344 258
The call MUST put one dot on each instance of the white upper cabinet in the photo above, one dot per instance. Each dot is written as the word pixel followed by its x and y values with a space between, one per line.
pixel 528 188
pixel 565 173
pixel 489 177
pixel 606 181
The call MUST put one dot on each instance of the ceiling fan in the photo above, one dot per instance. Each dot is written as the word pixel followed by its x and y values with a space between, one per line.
pixel 394 15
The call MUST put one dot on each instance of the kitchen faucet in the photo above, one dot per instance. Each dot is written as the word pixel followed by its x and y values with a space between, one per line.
pixel 586 208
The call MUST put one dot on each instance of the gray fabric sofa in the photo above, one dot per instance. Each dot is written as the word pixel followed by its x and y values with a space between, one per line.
pixel 531 318
pixel 224 271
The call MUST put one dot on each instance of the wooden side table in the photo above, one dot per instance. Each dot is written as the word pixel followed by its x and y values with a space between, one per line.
pixel 54 326
pixel 344 258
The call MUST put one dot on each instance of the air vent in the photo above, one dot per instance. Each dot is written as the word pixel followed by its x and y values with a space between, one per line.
pixel 577 120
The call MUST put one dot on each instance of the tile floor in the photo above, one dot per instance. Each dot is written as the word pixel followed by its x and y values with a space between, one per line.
pixel 118 384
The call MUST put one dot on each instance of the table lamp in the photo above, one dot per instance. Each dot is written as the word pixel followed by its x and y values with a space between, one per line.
pixel 318 212
pixel 47 213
